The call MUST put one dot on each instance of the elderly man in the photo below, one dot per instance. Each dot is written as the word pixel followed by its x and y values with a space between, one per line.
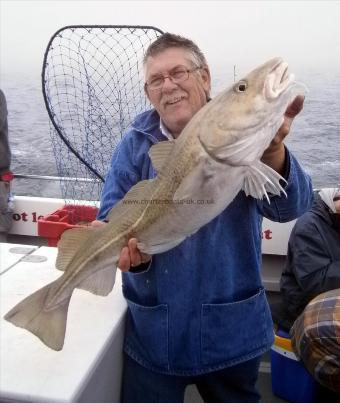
pixel 197 314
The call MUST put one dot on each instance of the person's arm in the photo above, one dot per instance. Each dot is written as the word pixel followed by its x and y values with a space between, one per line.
pixel 275 155
pixel 311 262
pixel 299 192
pixel 120 178
pixel 299 186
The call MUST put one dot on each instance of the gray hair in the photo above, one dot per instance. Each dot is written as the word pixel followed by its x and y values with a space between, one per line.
pixel 168 40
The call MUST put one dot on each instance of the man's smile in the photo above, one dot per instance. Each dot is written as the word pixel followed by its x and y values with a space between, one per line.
pixel 174 100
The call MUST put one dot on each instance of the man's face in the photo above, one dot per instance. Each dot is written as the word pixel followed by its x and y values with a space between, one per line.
pixel 337 204
pixel 176 103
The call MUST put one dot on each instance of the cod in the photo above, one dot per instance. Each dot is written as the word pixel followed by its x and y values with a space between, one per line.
pixel 217 155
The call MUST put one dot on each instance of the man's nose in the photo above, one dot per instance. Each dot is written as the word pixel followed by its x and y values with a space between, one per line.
pixel 169 84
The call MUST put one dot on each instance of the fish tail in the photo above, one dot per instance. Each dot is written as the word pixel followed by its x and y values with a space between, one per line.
pixel 48 325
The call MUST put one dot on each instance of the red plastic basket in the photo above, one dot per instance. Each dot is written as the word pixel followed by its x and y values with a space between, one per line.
pixel 70 216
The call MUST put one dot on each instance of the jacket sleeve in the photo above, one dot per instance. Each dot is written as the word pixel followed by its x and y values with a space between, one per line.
pixel 299 194
pixel 310 261
pixel 121 177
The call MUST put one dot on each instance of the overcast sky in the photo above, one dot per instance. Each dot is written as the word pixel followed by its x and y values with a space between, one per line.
pixel 245 33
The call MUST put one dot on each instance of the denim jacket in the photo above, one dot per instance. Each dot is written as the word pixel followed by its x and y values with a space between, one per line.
pixel 200 306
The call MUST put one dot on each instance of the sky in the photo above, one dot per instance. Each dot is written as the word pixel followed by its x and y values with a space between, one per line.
pixel 242 33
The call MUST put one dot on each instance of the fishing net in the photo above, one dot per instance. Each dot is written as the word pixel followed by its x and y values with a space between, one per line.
pixel 93 88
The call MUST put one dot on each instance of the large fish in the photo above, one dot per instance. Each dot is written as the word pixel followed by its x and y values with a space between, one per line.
pixel 217 155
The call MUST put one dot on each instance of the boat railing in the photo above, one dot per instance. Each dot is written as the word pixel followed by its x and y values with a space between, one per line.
pixel 56 178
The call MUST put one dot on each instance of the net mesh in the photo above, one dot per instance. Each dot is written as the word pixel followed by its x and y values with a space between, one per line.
pixel 93 88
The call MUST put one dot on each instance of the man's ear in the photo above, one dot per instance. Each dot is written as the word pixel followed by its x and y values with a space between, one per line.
pixel 206 78
pixel 146 91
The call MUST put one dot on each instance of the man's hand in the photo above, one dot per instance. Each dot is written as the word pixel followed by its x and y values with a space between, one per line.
pixel 97 223
pixel 274 155
pixel 130 255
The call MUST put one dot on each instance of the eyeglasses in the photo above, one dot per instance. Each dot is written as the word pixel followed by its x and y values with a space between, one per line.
pixel 176 76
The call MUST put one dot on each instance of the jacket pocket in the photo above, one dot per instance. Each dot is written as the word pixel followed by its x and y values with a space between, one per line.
pixel 147 333
pixel 232 330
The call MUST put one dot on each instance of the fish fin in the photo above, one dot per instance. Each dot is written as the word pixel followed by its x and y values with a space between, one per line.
pixel 260 179
pixel 101 282
pixel 48 325
pixel 233 152
pixel 160 152
pixel 118 210
pixel 136 191
pixel 192 185
pixel 141 190
pixel 69 243
pixel 160 247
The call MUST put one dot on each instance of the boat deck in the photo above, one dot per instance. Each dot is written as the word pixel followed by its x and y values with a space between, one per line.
pixel 36 376
pixel 88 368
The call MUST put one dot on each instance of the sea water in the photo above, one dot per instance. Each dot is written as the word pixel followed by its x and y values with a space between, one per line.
pixel 314 138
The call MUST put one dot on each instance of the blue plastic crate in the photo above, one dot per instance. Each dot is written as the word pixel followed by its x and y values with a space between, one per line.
pixel 290 380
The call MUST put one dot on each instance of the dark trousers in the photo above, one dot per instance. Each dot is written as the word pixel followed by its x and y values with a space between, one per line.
pixel 231 385
pixel 324 395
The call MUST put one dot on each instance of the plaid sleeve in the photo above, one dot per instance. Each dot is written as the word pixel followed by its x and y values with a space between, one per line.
pixel 316 338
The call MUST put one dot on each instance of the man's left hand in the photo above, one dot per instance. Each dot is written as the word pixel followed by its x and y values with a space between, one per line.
pixel 274 155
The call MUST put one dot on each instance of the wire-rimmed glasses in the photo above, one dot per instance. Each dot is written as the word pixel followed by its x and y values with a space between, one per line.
pixel 177 76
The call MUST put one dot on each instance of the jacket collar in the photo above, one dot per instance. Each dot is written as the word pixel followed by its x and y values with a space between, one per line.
pixel 321 209
pixel 148 123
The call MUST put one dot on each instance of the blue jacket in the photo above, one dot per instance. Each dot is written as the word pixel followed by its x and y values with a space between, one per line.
pixel 201 306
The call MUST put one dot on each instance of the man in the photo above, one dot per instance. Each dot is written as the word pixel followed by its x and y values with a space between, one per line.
pixel 5 174
pixel 197 313
pixel 313 257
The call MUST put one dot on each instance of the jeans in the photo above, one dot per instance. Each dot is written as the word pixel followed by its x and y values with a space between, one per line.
pixel 230 385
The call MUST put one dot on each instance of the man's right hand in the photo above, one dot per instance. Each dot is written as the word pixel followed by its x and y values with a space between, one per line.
pixel 130 255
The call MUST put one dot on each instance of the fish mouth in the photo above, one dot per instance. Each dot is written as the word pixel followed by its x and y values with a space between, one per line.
pixel 278 80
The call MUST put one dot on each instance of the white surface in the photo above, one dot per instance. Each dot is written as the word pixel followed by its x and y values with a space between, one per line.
pixel 28 209
pixel 12 253
pixel 278 236
pixel 30 371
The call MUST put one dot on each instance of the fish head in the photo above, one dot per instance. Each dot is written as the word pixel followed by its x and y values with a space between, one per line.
pixel 240 123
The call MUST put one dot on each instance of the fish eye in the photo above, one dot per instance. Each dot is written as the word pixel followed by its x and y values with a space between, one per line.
pixel 241 86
